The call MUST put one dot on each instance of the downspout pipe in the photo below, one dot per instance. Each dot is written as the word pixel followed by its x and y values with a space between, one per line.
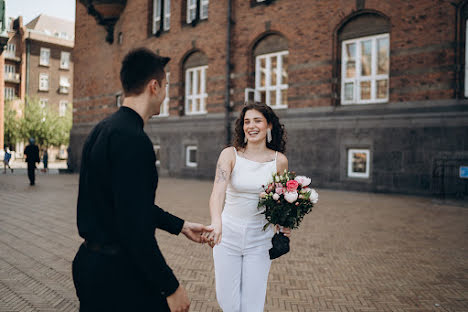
pixel 28 53
pixel 227 120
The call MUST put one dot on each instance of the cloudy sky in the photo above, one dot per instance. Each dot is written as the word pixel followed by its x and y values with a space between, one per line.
pixel 30 9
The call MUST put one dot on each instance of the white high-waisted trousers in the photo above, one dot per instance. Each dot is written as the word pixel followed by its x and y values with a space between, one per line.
pixel 242 264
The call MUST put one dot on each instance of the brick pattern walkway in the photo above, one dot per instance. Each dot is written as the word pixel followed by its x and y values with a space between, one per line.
pixel 355 252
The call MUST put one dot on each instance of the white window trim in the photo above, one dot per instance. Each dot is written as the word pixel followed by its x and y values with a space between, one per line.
pixel 156 15
pixel 466 59
pixel 42 88
pixel 352 174
pixel 164 111
pixel 63 111
pixel 188 149
pixel 43 102
pixel 10 69
pixel 43 61
pixel 358 79
pixel 167 15
pixel 64 65
pixel 204 3
pixel 157 147
pixel 202 97
pixel 9 93
pixel 268 87
pixel 191 7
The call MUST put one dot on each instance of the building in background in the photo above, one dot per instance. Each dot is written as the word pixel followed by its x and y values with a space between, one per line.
pixel 39 65
pixel 372 93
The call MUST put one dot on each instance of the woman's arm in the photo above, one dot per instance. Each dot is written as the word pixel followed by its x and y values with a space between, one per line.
pixel 281 163
pixel 223 175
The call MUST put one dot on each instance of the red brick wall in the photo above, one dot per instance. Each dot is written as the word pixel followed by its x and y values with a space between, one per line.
pixel 421 44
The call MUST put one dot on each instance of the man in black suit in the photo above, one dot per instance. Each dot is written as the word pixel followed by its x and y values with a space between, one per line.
pixel 119 267
pixel 32 157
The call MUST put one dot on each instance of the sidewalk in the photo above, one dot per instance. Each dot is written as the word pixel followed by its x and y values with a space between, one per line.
pixel 354 252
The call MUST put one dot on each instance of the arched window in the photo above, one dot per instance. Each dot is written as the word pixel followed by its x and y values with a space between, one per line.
pixel 364 50
pixel 271 70
pixel 195 67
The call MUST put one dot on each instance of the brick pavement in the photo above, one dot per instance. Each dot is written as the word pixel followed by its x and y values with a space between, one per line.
pixel 355 252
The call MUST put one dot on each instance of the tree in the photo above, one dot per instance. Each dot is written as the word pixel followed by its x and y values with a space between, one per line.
pixel 11 125
pixel 45 125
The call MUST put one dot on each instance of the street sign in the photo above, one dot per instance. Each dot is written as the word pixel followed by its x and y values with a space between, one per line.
pixel 464 172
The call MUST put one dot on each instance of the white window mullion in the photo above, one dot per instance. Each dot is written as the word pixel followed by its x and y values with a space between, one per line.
pixel 267 80
pixel 156 15
pixel 195 98
pixel 167 14
pixel 187 87
pixel 203 90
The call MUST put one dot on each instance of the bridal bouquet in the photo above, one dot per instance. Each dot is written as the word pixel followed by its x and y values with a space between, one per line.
pixel 286 200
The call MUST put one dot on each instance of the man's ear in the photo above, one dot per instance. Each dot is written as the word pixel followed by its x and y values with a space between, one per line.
pixel 154 86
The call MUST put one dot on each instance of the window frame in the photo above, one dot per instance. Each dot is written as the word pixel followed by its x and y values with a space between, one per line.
pixel 41 77
pixel 202 97
pixel 197 10
pixel 189 163
pixel 465 93
pixel 65 87
pixel 164 110
pixel 41 59
pixel 357 79
pixel 61 103
pixel 10 93
pixel 43 102
pixel 62 54
pixel 10 50
pixel 268 87
pixel 351 174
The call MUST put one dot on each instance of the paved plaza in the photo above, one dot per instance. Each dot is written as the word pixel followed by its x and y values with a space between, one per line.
pixel 354 252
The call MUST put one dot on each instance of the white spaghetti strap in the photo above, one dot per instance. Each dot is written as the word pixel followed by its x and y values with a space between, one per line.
pixel 276 155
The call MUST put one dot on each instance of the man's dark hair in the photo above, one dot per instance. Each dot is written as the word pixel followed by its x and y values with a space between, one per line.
pixel 140 66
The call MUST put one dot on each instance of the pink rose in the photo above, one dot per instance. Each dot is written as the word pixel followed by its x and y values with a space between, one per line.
pixel 279 189
pixel 271 188
pixel 303 180
pixel 263 195
pixel 292 185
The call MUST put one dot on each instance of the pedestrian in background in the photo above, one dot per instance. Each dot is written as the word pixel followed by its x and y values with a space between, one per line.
pixel 6 160
pixel 32 157
pixel 45 159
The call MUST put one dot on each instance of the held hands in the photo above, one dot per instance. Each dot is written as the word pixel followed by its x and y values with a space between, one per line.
pixel 196 231
pixel 214 237
pixel 178 301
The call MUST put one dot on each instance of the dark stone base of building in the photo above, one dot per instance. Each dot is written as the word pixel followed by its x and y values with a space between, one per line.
pixel 414 148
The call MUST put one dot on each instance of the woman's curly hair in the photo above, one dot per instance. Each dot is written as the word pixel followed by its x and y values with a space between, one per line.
pixel 278 133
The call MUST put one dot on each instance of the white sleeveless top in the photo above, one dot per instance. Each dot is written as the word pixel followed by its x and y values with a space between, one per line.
pixel 242 193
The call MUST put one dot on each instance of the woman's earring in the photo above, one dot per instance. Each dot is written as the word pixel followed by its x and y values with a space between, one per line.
pixel 245 139
pixel 269 138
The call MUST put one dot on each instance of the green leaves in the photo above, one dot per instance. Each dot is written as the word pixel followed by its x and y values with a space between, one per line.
pixel 41 123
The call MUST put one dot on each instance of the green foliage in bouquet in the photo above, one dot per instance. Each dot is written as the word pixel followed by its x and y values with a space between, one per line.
pixel 287 199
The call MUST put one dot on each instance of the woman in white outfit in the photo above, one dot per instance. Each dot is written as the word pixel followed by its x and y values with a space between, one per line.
pixel 240 245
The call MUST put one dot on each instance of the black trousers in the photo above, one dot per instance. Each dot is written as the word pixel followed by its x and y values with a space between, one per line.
pixel 111 283
pixel 32 173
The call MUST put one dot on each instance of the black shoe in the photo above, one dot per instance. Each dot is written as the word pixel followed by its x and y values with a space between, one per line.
pixel 32 183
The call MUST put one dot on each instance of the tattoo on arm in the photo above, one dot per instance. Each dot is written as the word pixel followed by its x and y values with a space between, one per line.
pixel 221 175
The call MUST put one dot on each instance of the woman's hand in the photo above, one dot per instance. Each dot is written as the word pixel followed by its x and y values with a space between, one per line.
pixel 284 230
pixel 214 237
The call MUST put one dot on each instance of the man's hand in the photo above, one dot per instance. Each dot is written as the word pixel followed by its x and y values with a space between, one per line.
pixel 178 301
pixel 194 231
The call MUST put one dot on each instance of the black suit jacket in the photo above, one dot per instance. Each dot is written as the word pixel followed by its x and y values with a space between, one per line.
pixel 32 154
pixel 118 180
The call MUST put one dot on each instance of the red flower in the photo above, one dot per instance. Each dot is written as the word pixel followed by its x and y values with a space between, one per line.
pixel 292 185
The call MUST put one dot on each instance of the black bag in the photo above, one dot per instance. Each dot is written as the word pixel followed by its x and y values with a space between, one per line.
pixel 280 246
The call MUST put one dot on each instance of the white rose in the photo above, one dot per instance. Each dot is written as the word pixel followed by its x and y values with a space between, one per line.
pixel 277 178
pixel 276 196
pixel 291 196
pixel 313 196
pixel 303 180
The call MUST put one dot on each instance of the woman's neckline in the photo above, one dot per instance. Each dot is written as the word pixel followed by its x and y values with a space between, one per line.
pixel 258 162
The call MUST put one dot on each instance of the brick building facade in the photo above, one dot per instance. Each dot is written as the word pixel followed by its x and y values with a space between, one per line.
pixel 371 92
pixel 39 65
